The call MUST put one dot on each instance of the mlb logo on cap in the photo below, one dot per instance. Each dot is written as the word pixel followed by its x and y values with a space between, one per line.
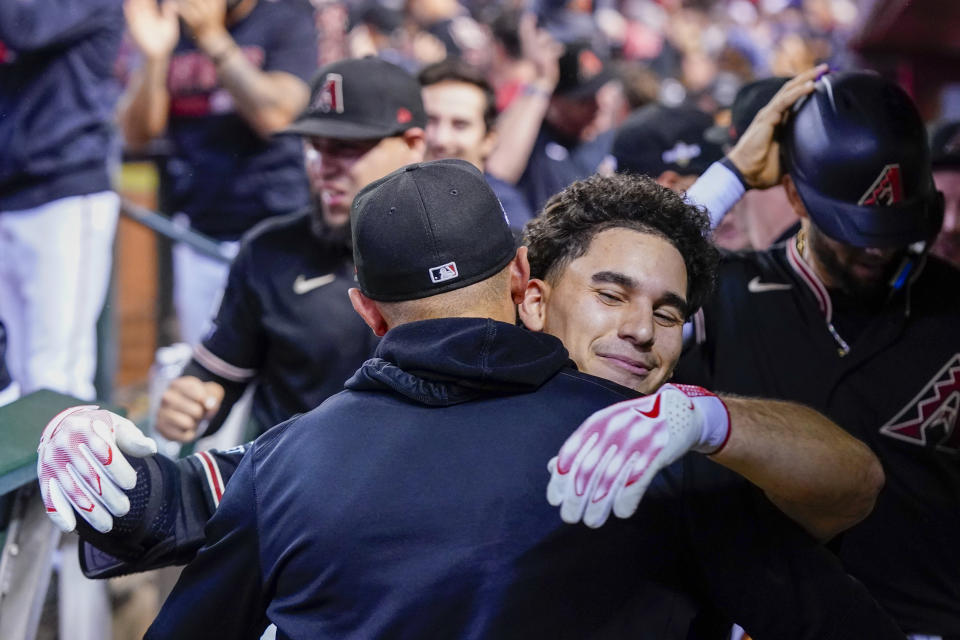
pixel 444 272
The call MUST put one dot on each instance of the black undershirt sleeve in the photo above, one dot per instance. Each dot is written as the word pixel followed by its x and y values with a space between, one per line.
pixel 169 507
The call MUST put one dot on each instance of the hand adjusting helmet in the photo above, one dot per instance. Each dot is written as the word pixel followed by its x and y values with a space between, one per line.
pixel 857 151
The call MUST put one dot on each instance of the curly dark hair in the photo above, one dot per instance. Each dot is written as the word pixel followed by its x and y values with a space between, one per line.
pixel 571 218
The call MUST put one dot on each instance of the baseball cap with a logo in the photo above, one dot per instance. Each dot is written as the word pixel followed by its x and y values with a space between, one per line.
pixel 582 72
pixel 361 99
pixel 428 228
pixel 656 138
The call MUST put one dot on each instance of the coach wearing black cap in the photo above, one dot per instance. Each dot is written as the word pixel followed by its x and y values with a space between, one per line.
pixel 285 320
pixel 412 504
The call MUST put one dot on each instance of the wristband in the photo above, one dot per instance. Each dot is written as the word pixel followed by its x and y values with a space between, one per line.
pixel 534 90
pixel 715 431
pixel 716 190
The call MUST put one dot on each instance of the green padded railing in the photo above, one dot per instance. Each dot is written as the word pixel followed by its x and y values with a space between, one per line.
pixel 21 423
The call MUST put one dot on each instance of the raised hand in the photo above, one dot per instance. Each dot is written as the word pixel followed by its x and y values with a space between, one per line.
pixel 206 19
pixel 542 49
pixel 757 153
pixel 153 27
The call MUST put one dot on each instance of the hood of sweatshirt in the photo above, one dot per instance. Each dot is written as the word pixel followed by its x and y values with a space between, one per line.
pixel 452 360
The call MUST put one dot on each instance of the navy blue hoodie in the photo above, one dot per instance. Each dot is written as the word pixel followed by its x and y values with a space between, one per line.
pixel 413 505
pixel 57 95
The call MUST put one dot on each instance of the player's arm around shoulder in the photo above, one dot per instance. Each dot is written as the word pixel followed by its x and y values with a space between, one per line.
pixel 815 472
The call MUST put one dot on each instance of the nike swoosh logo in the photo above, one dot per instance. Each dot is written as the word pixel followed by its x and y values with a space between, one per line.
pixel 755 286
pixel 302 285
pixel 653 413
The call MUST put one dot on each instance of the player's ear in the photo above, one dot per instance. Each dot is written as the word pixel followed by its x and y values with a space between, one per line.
pixel 519 275
pixel 793 196
pixel 533 308
pixel 369 311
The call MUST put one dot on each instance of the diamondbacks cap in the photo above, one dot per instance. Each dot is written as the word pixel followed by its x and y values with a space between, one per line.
pixel 655 138
pixel 428 228
pixel 582 72
pixel 361 99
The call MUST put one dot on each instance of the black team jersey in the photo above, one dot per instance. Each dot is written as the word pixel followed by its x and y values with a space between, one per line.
pixel 772 330
pixel 285 322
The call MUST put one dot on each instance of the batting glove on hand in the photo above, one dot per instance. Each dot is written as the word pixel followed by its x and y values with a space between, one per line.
pixel 80 466
pixel 610 460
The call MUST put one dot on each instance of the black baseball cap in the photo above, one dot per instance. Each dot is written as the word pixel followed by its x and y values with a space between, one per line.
pixel 428 228
pixel 945 144
pixel 582 72
pixel 656 138
pixel 749 100
pixel 361 99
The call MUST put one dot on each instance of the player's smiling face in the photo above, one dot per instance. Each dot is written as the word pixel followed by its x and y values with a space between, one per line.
pixel 455 125
pixel 619 308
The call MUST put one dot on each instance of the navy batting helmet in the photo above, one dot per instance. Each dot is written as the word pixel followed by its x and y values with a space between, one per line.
pixel 857 151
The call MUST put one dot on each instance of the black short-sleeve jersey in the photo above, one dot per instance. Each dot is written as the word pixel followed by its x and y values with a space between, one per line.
pixel 286 320
pixel 770 331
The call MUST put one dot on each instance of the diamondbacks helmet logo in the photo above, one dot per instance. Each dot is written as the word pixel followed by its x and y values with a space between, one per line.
pixel 444 272
pixel 932 418
pixel 886 190
pixel 330 96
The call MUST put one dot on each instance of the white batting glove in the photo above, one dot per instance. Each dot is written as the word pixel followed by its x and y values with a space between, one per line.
pixel 610 460
pixel 80 466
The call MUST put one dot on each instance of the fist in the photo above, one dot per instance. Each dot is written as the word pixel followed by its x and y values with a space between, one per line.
pixel 186 403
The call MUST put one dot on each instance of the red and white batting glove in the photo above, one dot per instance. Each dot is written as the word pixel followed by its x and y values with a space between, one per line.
pixel 80 466
pixel 610 460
